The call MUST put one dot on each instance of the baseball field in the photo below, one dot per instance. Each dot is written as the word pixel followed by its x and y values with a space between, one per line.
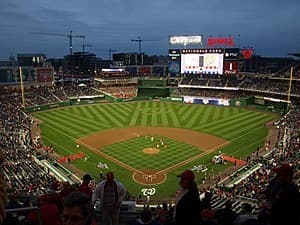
pixel 146 144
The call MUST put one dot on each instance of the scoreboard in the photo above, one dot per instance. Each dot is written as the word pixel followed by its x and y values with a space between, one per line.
pixel 202 61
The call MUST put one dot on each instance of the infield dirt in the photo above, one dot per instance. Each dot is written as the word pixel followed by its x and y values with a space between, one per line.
pixel 97 141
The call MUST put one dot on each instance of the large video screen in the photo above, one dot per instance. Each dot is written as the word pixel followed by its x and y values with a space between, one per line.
pixel 202 61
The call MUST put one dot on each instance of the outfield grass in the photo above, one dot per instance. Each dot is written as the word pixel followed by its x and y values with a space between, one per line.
pixel 243 128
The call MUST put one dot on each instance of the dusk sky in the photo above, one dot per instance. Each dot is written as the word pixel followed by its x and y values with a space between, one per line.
pixel 272 27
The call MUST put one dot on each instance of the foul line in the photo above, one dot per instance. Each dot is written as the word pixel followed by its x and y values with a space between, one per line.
pixel 124 165
pixel 175 166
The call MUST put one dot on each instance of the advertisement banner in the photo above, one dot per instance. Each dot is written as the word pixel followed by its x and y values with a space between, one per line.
pixel 231 67
pixel 231 54
pixel 206 100
pixel 220 41
pixel 144 70
pixel 174 67
pixel 44 74
pixel 185 40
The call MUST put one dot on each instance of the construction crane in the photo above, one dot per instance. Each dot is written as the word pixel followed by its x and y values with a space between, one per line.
pixel 70 36
pixel 139 40
pixel 83 47
pixel 111 51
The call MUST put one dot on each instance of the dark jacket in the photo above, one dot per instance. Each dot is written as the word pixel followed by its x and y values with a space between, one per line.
pixel 188 209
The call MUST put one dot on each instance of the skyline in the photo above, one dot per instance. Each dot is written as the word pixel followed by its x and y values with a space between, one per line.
pixel 271 28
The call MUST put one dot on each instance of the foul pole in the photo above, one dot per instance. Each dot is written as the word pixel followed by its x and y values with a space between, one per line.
pixel 290 88
pixel 22 86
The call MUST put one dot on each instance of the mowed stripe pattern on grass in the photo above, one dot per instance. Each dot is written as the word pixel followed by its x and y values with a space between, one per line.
pixel 244 129
pixel 225 122
pixel 174 152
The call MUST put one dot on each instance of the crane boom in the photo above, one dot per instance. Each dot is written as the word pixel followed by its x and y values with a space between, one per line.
pixel 139 40
pixel 70 36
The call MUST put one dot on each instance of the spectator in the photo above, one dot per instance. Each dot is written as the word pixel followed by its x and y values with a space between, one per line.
pixel 226 216
pixel 84 187
pixel 78 209
pixel 145 219
pixel 111 193
pixel 50 210
pixel 246 215
pixel 187 203
pixel 283 196
pixel 162 213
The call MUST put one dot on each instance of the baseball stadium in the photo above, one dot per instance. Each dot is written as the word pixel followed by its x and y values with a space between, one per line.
pixel 202 111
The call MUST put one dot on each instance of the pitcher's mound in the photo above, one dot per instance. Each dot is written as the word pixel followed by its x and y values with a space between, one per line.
pixel 151 151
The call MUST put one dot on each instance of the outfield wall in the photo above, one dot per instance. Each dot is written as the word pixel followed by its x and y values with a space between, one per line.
pixel 153 92
pixel 72 101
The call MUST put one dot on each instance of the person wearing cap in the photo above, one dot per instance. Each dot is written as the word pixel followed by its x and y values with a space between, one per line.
pixel 111 193
pixel 84 187
pixel 283 197
pixel 187 203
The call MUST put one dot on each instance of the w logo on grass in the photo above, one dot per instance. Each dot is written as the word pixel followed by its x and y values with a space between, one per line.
pixel 148 191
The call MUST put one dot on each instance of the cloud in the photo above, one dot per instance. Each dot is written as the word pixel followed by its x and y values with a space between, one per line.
pixel 113 23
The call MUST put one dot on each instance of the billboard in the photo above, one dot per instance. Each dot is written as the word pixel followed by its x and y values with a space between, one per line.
pixel 144 70
pixel 202 61
pixel 220 41
pixel 231 54
pixel 44 74
pixel 206 100
pixel 185 40
pixel 174 55
pixel 247 53
pixel 231 67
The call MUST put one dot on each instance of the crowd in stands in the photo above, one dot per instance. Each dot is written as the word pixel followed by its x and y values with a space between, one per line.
pixel 250 82
pixel 25 178
pixel 42 95
pixel 121 91
pixel 285 73
pixel 227 94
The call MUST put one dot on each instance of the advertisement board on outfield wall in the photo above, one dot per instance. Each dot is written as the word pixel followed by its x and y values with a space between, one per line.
pixel 206 100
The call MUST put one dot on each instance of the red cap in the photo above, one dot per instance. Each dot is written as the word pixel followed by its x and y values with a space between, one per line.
pixel 284 170
pixel 187 174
